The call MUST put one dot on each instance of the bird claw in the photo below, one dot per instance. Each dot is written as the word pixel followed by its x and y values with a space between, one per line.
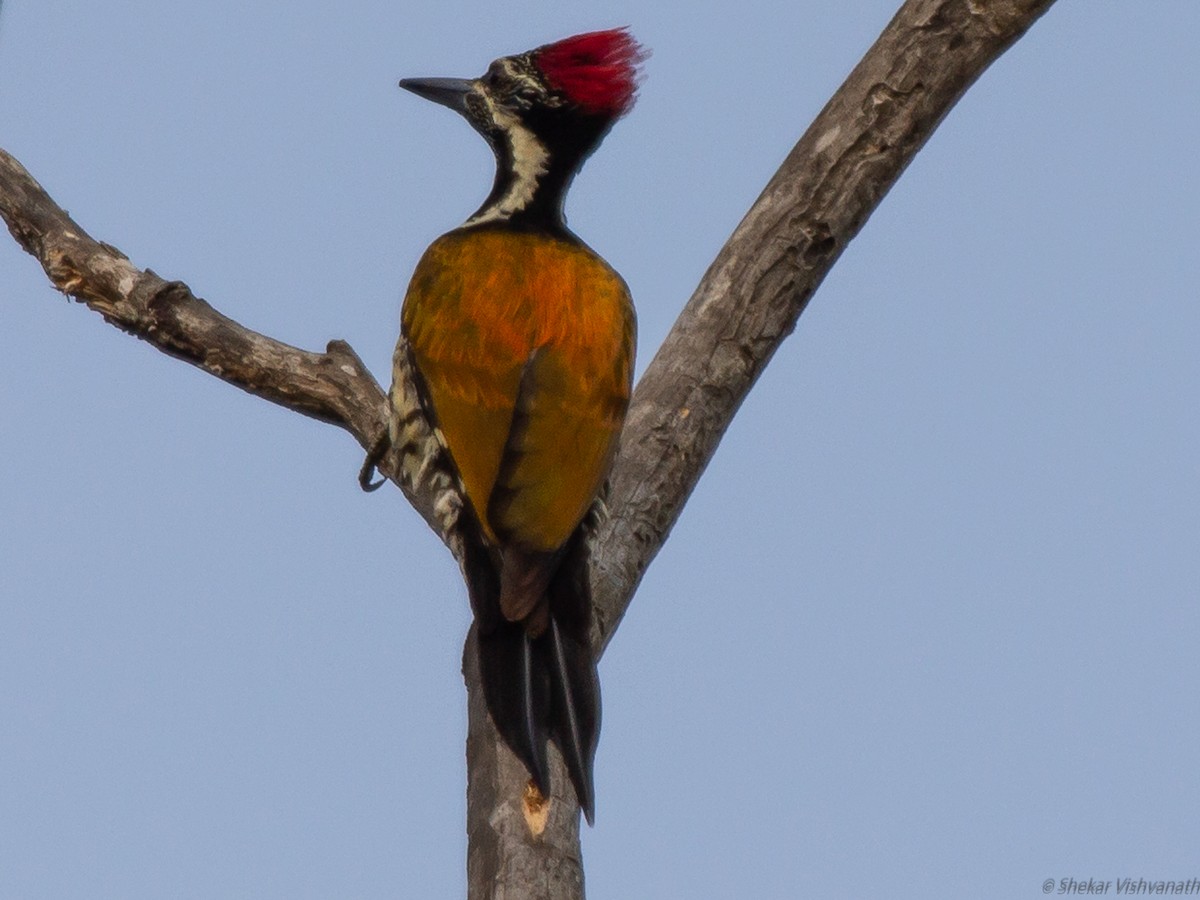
pixel 374 455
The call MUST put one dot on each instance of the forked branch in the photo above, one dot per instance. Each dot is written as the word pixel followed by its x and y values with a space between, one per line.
pixel 746 304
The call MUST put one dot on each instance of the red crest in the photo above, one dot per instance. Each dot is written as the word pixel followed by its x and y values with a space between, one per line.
pixel 597 71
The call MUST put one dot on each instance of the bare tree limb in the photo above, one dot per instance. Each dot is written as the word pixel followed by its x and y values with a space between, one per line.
pixel 333 386
pixel 762 279
pixel 747 303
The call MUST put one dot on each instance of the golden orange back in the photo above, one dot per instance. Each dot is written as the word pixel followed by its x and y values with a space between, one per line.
pixel 525 344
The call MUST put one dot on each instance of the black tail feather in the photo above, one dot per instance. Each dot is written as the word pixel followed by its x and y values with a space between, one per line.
pixel 542 688
pixel 516 688
pixel 575 725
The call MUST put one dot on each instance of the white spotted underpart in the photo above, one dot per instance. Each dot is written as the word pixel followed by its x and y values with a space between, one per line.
pixel 530 161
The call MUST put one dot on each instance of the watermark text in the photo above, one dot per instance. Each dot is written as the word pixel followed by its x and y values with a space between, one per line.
pixel 1131 887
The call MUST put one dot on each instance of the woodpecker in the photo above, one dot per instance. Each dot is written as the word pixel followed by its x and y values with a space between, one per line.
pixel 510 384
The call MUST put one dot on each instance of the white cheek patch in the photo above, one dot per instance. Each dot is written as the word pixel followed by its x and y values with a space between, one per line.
pixel 530 161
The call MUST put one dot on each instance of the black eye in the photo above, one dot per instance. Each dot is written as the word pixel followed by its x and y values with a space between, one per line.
pixel 493 76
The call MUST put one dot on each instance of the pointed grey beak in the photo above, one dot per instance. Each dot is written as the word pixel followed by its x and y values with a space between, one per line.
pixel 451 92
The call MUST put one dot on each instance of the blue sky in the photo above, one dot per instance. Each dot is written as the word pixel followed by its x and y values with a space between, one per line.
pixel 928 627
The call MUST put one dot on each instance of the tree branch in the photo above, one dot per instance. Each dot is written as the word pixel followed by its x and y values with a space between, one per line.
pixel 333 386
pixel 746 304
pixel 761 281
